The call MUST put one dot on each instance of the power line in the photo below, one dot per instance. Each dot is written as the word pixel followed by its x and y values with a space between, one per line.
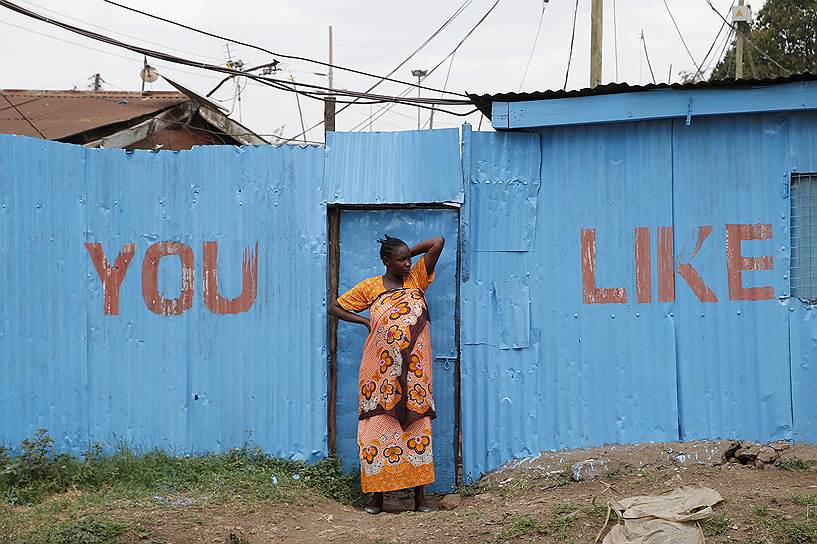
pixel 164 46
pixel 759 50
pixel 452 53
pixel 704 65
pixel 315 91
pixel 683 41
pixel 445 24
pixel 265 50
pixel 572 39
pixel 21 114
pixel 535 40
pixel 647 54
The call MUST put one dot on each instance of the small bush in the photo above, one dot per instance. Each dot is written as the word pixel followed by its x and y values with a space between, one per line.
pixel 716 525
pixel 89 530
pixel 520 525
pixel 794 464
pixel 806 499
pixel 472 489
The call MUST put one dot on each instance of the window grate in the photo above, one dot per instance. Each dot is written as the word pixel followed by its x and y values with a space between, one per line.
pixel 804 237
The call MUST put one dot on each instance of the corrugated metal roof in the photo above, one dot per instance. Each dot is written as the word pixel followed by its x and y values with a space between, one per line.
pixel 59 114
pixel 484 101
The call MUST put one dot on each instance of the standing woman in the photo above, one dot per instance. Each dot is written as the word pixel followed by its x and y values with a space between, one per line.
pixel 395 404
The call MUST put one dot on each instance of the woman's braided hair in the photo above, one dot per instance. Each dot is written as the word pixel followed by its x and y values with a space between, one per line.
pixel 388 245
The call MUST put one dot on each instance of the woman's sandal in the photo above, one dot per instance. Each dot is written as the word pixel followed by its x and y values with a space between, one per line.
pixel 370 509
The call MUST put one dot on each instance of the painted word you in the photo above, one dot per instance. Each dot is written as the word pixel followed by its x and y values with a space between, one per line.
pixel 113 276
pixel 736 264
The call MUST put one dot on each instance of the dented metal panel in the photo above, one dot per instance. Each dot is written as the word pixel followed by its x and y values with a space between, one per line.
pixel 731 250
pixel 393 167
pixel 503 184
pixel 597 371
pixel 174 361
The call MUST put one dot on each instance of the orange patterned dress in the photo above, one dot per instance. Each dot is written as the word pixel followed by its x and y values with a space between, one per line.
pixel 395 404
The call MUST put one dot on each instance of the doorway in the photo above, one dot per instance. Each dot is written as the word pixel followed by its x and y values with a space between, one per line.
pixel 354 255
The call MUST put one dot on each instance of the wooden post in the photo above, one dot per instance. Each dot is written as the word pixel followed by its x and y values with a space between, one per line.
pixel 332 278
pixel 739 49
pixel 596 27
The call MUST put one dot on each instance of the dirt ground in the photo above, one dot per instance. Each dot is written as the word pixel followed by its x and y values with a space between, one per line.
pixel 532 500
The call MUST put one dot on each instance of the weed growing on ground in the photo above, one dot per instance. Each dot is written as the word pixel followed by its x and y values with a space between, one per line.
pixel 472 489
pixel 806 499
pixel 86 530
pixel 793 464
pixel 566 508
pixel 799 532
pixel 520 525
pixel 560 526
pixel 760 511
pixel 716 525
pixel 38 472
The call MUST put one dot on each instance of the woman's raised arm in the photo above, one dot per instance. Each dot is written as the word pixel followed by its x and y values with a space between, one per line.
pixel 432 248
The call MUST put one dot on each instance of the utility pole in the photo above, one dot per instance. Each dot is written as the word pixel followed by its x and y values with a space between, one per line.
pixel 97 84
pixel 739 49
pixel 596 27
pixel 329 101
pixel 419 74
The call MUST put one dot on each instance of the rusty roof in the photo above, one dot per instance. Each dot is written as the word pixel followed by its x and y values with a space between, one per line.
pixel 60 114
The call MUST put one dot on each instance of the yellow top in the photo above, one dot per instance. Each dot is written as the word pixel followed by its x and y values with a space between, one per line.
pixel 361 296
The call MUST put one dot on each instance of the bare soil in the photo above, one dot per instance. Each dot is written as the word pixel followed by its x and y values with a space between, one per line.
pixel 525 501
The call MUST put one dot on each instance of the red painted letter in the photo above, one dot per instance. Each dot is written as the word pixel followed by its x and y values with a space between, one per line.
pixel 643 266
pixel 111 277
pixel 666 265
pixel 249 282
pixel 590 293
pixel 737 263
pixel 155 302
pixel 688 272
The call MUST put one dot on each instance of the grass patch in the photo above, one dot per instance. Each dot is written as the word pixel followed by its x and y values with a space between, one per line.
pixel 798 532
pixel 566 508
pixel 520 525
pixel 806 499
pixel 794 464
pixel 52 487
pixel 560 526
pixel 760 511
pixel 473 489
pixel 716 525
pixel 85 530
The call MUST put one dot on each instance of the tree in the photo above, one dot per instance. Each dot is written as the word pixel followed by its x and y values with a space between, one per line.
pixel 786 30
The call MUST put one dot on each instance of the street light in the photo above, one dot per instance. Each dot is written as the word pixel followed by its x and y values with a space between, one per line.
pixel 419 74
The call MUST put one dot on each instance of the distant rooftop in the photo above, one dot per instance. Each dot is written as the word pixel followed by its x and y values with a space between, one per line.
pixel 60 114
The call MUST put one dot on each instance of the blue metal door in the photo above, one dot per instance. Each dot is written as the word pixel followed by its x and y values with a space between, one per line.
pixel 360 259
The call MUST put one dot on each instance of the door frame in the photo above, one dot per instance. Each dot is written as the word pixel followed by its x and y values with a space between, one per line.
pixel 333 214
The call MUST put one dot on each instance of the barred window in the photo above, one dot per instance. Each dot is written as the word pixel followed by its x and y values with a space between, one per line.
pixel 804 237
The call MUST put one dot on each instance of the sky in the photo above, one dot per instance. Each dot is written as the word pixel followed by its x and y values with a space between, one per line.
pixel 369 36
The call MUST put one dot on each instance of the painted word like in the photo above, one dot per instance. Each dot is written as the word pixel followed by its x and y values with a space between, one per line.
pixel 736 264
pixel 113 276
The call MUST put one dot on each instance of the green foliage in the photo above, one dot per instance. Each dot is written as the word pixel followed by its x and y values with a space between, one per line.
pixel 472 489
pixel 794 464
pixel 786 30
pixel 805 499
pixel 38 472
pixel 716 525
pixel 89 530
pixel 560 526
pixel 799 532
pixel 760 511
pixel 566 508
pixel 520 525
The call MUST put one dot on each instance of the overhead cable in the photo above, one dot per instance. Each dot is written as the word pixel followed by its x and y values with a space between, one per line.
pixel 535 40
pixel 445 24
pixel 265 50
pixel 310 90
pixel 385 109
pixel 683 41
pixel 647 54
pixel 572 40
pixel 759 50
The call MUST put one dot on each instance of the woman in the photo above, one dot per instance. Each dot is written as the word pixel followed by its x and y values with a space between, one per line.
pixel 395 405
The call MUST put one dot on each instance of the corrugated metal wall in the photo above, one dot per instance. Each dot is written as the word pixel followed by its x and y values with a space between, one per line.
pixel 591 258
pixel 193 382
